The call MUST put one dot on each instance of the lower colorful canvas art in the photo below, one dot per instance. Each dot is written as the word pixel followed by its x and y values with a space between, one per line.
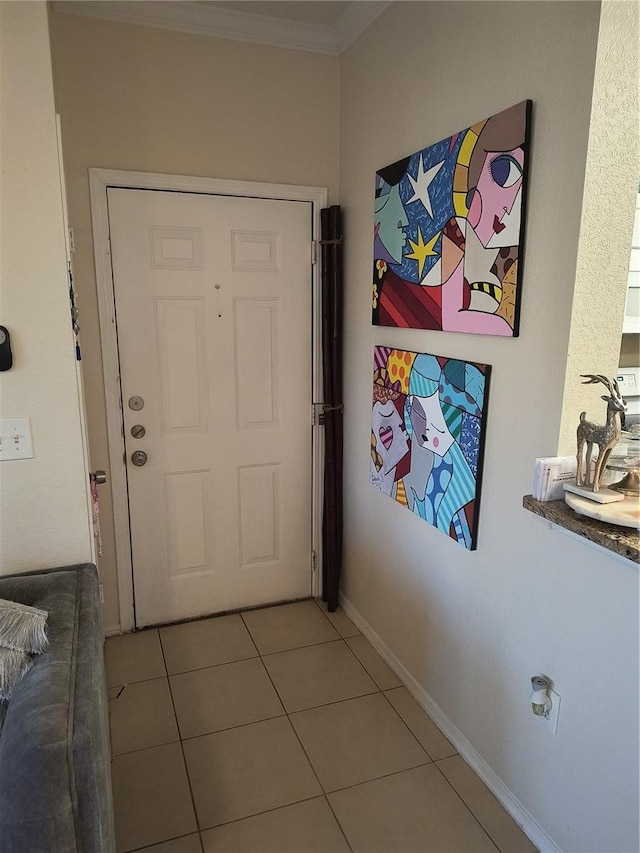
pixel 428 420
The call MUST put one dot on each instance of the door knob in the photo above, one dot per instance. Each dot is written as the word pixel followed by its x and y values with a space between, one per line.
pixel 138 431
pixel 139 458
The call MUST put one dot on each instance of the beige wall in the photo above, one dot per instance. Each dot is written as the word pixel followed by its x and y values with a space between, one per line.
pixel 470 628
pixel 473 627
pixel 157 101
pixel 44 514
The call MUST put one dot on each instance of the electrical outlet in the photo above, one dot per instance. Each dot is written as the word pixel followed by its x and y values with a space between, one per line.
pixel 551 717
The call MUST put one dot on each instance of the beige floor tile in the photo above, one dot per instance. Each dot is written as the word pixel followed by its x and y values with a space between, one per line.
pixel 339 619
pixel 288 626
pixel 423 727
pixel 308 827
pixel 377 668
pixel 142 716
pixel 207 642
pixel 186 844
pixel 351 742
pixel 317 675
pixel 151 797
pixel 133 657
pixel 500 826
pixel 209 700
pixel 247 770
pixel 416 810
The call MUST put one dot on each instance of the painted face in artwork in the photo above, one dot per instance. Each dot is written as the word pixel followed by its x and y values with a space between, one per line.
pixel 430 429
pixel 390 220
pixel 494 212
pixel 392 442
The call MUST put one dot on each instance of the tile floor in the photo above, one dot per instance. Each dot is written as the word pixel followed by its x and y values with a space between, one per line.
pixel 283 730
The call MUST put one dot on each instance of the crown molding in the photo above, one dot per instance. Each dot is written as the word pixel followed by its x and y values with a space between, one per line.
pixel 197 19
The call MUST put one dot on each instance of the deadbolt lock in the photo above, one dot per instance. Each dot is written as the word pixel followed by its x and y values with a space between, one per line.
pixel 136 403
pixel 138 431
pixel 139 458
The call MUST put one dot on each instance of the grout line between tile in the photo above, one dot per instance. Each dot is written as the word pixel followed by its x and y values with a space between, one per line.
pixel 324 613
pixel 344 640
pixel 405 723
pixel 213 665
pixel 174 838
pixel 246 628
pixel 334 702
pixel 337 820
pixel 137 681
pixel 320 604
pixel 466 805
pixel 257 814
pixel 282 604
pixel 145 748
pixel 238 726
pixel 284 713
pixel 324 793
pixel 288 714
pixel 337 639
pixel 326 643
pixel 339 701
pixel 184 757
pixel 383 776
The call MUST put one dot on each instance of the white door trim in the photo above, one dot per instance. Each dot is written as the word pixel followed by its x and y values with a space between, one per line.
pixel 99 181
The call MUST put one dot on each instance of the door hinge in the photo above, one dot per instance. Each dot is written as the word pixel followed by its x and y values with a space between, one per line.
pixel 72 240
pixel 314 251
pixel 317 414
pixel 314 561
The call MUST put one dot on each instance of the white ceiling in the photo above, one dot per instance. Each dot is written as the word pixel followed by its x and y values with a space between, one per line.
pixel 320 26
pixel 324 12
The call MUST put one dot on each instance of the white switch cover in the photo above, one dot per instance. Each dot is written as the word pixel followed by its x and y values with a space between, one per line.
pixel 15 439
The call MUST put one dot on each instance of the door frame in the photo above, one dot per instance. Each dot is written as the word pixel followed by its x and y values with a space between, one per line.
pixel 100 180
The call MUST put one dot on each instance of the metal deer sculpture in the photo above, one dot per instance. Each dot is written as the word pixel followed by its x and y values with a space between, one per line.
pixel 604 436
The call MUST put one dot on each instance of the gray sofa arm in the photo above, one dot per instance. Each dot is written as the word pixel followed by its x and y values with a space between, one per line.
pixel 55 782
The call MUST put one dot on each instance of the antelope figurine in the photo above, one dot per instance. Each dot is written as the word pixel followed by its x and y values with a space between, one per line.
pixel 604 436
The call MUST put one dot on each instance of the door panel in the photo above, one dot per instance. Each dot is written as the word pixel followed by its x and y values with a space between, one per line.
pixel 213 307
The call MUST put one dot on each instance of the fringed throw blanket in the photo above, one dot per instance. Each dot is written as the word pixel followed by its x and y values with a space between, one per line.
pixel 23 632
pixel 14 665
pixel 23 628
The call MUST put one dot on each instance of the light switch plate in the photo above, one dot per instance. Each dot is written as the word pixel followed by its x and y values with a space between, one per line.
pixel 15 439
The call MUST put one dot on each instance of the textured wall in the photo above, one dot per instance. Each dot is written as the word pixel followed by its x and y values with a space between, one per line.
pixel 608 208
pixel 473 627
pixel 44 518
pixel 157 101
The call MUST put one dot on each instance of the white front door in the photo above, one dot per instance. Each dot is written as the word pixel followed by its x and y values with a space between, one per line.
pixel 213 305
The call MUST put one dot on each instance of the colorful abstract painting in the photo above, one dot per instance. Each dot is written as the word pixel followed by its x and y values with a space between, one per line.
pixel 448 231
pixel 428 420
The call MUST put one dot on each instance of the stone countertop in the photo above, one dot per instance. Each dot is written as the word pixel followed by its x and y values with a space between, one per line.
pixel 623 541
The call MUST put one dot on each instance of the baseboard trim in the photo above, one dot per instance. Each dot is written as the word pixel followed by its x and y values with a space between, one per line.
pixel 113 631
pixel 513 806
